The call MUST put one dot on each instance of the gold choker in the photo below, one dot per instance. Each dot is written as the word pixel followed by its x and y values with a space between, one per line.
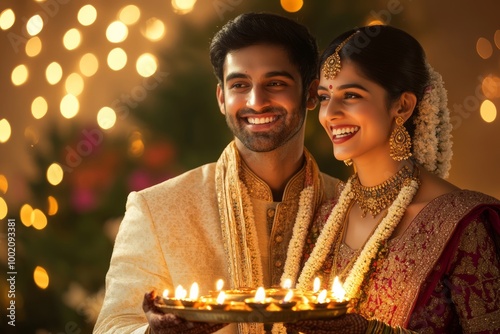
pixel 378 198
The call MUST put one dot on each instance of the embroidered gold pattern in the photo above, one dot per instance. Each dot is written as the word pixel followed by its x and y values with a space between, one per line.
pixel 426 238
pixel 283 219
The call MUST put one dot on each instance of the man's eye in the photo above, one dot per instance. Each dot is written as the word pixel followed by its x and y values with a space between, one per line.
pixel 276 83
pixel 238 85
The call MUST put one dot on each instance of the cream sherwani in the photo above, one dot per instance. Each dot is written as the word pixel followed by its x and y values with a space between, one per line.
pixel 171 235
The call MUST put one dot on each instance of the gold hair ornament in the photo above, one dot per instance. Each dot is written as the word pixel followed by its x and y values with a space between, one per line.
pixel 331 67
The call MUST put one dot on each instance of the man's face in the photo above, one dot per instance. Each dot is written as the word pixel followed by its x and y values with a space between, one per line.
pixel 261 97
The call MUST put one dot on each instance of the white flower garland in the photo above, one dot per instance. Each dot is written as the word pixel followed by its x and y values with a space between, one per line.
pixel 299 234
pixel 432 141
pixel 323 244
pixel 332 226
pixel 380 236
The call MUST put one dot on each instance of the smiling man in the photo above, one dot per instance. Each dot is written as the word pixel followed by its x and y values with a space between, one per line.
pixel 232 219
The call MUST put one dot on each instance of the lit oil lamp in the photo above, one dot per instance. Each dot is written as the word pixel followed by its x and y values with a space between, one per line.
pixel 219 303
pixel 321 301
pixel 316 285
pixel 176 300
pixel 259 301
pixel 287 303
pixel 192 301
pixel 338 292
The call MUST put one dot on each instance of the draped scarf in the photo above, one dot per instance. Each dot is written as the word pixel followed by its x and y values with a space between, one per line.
pixel 237 221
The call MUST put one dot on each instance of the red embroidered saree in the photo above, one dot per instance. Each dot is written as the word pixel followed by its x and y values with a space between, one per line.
pixel 442 275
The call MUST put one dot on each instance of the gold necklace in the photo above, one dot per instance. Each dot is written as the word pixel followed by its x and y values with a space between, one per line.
pixel 377 198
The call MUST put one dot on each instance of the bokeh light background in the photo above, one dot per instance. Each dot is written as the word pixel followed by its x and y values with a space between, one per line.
pixel 99 68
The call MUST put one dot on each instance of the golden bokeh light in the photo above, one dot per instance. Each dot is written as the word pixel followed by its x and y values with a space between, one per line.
pixel 3 208
pixel 87 15
pixel 34 25
pixel 53 73
pixel 4 184
pixel 41 277
pixel 25 214
pixel 484 48
pixel 89 64
pixel 183 6
pixel 154 29
pixel 39 107
pixel 117 59
pixel 38 219
pixel 52 205
pixel 117 32
pixel 74 84
pixel 106 118
pixel 146 65
pixel 496 37
pixel 33 46
pixel 69 106
pixel 72 39
pixel 55 174
pixel 136 147
pixel 375 23
pixel 7 19
pixel 292 6
pixel 5 130
pixel 488 111
pixel 19 75
pixel 491 86
pixel 129 14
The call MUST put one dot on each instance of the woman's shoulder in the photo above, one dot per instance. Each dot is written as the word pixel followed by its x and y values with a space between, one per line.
pixel 432 187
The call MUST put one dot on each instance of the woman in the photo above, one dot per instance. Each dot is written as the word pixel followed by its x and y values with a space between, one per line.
pixel 415 252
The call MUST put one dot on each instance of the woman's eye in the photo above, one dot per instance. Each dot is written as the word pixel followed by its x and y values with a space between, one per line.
pixel 351 96
pixel 323 98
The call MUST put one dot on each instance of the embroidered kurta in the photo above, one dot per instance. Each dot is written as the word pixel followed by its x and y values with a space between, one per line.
pixel 171 235
pixel 442 275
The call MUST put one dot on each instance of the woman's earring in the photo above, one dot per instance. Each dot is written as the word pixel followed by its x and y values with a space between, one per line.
pixel 348 162
pixel 400 141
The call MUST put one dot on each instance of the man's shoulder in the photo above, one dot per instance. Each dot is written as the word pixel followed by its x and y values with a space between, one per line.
pixel 331 186
pixel 197 179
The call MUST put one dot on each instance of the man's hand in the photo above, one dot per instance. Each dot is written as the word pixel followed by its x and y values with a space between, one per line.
pixel 166 323
pixel 346 324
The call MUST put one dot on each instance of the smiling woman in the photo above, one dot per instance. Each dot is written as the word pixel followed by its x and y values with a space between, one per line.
pixel 425 242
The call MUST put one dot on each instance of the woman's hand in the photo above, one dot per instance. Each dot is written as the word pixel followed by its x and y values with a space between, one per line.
pixel 347 324
pixel 167 323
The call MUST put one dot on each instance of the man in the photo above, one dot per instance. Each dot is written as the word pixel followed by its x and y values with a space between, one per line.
pixel 232 219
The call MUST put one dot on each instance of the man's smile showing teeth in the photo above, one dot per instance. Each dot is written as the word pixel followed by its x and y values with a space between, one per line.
pixel 261 120
pixel 346 131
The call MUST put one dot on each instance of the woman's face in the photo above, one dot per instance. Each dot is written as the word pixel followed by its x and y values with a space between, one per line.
pixel 355 115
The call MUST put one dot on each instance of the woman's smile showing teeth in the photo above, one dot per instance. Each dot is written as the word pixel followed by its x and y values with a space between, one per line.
pixel 344 132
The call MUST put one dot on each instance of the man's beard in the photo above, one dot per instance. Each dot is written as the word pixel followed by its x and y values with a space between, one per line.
pixel 286 127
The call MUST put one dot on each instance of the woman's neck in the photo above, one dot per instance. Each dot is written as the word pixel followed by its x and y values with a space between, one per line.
pixel 375 171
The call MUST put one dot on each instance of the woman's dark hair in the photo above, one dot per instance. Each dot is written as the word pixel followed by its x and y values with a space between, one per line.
pixel 388 56
pixel 264 28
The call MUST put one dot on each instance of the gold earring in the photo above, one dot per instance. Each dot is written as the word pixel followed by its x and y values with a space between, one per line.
pixel 400 141
pixel 348 162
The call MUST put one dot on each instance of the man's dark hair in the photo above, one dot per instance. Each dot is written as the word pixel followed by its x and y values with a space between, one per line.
pixel 265 28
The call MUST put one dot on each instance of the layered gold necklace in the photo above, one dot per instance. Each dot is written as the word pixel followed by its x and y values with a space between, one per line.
pixel 378 198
